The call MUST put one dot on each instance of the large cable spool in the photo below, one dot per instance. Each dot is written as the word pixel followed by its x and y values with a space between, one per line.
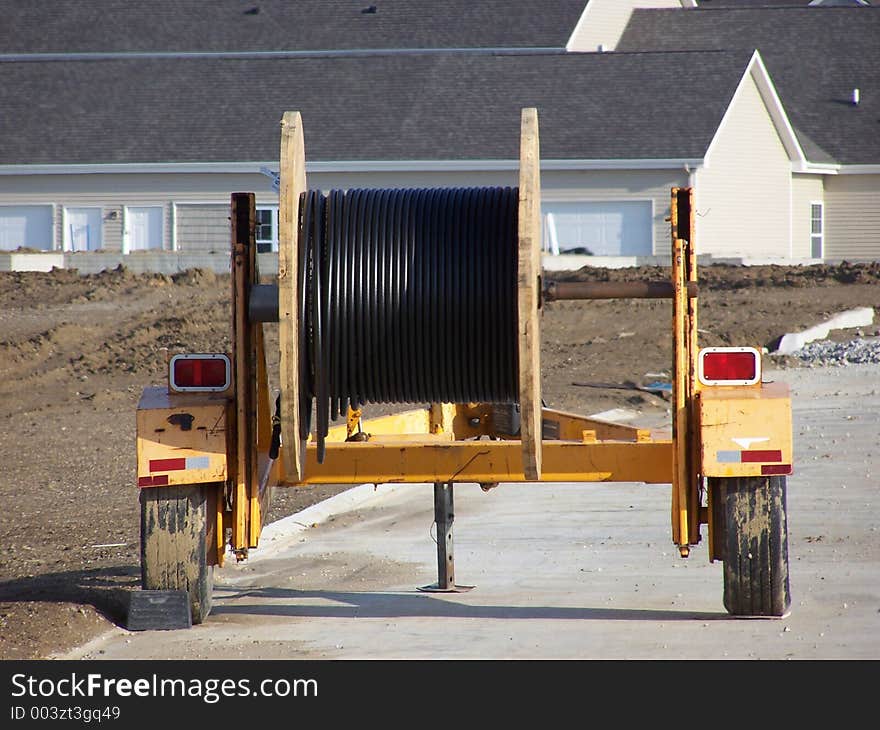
pixel 405 296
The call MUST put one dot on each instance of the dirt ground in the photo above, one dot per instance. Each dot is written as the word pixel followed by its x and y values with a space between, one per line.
pixel 76 351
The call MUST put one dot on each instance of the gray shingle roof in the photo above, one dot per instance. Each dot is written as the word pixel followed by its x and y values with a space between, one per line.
pixel 387 107
pixel 41 26
pixel 815 56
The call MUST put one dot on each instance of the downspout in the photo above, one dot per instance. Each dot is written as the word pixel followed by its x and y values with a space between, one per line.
pixel 692 179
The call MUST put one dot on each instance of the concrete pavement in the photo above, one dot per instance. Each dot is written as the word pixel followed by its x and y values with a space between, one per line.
pixel 561 571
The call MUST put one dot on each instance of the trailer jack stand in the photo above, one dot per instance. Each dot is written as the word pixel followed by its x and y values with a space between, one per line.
pixel 444 516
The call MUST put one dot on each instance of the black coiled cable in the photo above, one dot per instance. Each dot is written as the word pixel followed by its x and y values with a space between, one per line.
pixel 406 296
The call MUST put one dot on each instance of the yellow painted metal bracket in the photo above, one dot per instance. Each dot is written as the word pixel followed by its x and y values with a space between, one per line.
pixel 406 461
pixel 745 430
pixel 171 427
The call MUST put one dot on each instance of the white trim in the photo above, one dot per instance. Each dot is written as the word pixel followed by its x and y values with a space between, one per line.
pixel 577 26
pixel 65 244
pixel 173 214
pixel 859 169
pixel 758 72
pixel 777 111
pixel 688 3
pixel 134 167
pixel 349 166
pixel 828 168
pixel 815 168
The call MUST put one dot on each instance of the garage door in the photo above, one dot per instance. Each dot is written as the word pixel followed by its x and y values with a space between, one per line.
pixel 26 226
pixel 606 228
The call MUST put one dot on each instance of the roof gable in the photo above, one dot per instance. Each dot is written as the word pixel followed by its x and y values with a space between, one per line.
pixel 816 57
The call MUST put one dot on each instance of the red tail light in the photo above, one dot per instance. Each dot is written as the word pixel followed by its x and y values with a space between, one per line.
pixel 199 373
pixel 729 366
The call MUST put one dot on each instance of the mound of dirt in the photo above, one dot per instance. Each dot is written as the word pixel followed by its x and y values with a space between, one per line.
pixel 77 350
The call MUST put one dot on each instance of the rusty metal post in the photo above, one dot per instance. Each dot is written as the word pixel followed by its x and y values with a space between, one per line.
pixel 557 290
pixel 444 517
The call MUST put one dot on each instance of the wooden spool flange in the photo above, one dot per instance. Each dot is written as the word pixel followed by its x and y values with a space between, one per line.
pixel 293 183
pixel 528 283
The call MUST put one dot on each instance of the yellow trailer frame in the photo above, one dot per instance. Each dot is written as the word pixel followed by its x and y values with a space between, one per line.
pixel 447 443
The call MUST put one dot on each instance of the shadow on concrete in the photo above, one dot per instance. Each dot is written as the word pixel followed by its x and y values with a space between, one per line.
pixel 105 589
pixel 342 604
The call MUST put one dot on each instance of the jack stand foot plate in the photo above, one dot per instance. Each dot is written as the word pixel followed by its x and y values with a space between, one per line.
pixel 436 588
pixel 158 610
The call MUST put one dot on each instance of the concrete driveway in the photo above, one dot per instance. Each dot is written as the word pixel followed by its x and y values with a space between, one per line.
pixel 561 571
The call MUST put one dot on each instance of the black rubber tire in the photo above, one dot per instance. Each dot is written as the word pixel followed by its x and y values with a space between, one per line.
pixel 754 544
pixel 174 544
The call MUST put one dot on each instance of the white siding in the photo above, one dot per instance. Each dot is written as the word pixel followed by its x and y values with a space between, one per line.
pixel 743 194
pixel 603 21
pixel 805 190
pixel 852 217
pixel 182 194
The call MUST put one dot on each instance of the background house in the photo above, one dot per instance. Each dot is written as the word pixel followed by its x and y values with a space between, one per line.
pixel 824 61
pixel 128 135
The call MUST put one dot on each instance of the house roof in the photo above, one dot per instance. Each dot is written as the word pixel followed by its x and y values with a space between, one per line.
pixel 439 106
pixel 88 26
pixel 816 56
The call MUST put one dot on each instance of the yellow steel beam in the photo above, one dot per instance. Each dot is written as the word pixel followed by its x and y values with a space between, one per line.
pixel 487 461
pixel 570 426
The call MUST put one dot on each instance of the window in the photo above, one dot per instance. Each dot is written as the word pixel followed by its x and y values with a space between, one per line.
pixel 267 229
pixel 817 225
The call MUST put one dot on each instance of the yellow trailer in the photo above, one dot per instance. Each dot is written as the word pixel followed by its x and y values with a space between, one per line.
pixel 375 305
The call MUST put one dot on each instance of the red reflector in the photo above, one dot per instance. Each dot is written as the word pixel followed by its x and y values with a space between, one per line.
pixel 158 481
pixel 769 469
pixel 200 372
pixel 208 373
pixel 755 455
pixel 170 464
pixel 729 366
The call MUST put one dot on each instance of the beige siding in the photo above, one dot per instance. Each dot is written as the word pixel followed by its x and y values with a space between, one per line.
pixel 603 21
pixel 743 194
pixel 805 190
pixel 852 216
